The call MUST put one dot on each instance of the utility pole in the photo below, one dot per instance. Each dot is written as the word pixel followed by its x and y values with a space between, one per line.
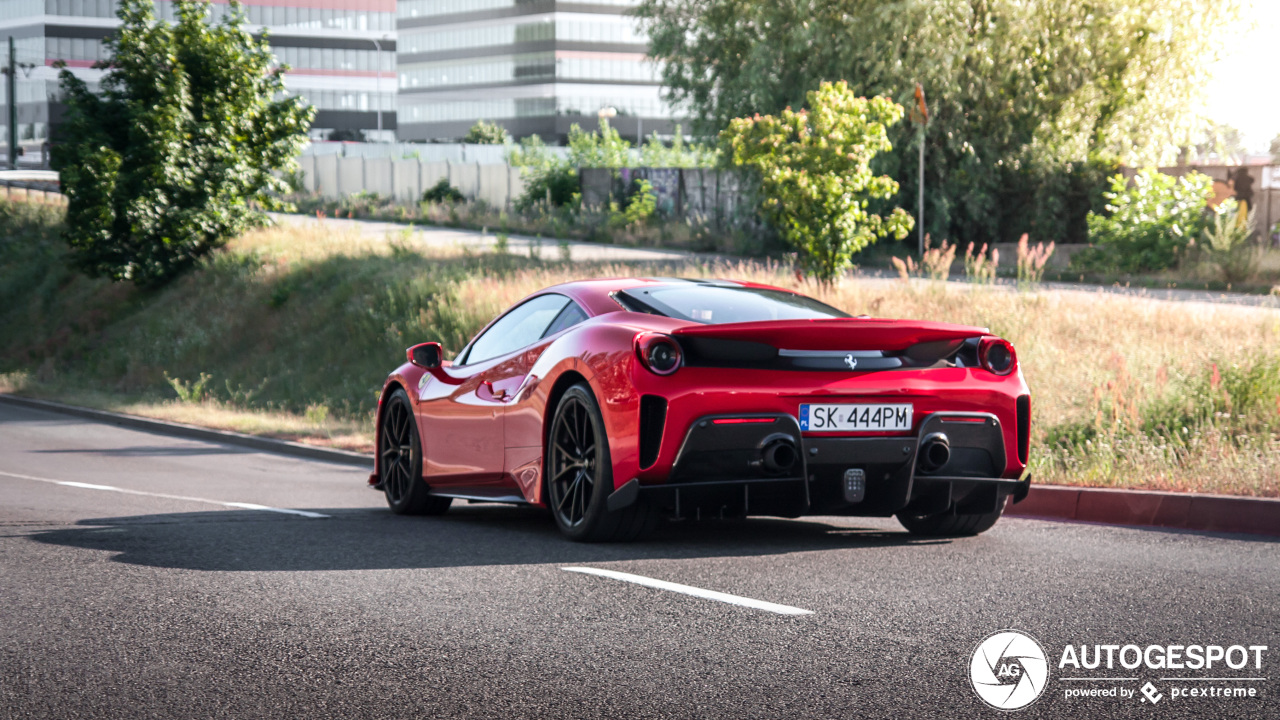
pixel 923 109
pixel 12 94
pixel 378 61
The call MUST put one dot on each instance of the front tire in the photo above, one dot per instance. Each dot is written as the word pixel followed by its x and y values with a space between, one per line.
pixel 579 475
pixel 400 456
pixel 949 524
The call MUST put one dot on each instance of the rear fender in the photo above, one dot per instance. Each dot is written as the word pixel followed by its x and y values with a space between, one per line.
pixel 602 356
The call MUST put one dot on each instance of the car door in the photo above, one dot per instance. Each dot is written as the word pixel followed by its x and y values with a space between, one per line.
pixel 462 420
pixel 523 417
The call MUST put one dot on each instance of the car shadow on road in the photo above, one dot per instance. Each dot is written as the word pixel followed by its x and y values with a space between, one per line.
pixel 372 539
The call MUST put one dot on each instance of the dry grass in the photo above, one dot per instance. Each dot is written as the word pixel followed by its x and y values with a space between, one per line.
pixel 325 314
pixel 1068 342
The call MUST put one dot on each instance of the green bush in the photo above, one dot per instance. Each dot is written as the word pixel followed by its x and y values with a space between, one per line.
pixel 642 204
pixel 655 153
pixel 487 133
pixel 181 147
pixel 547 178
pixel 602 148
pixel 1148 223
pixel 442 192
pixel 816 177
pixel 1226 241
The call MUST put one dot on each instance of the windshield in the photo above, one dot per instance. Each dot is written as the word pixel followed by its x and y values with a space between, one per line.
pixel 718 304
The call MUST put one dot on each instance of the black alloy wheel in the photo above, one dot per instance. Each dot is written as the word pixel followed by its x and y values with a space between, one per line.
pixel 579 475
pixel 400 461
pixel 573 462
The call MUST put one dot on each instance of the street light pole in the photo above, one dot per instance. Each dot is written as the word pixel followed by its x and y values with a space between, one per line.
pixel 378 96
pixel 12 87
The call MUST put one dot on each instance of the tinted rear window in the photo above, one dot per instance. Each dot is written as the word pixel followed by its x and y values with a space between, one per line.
pixel 716 305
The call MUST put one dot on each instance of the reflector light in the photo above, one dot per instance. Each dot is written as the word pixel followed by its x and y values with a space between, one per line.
pixel 740 421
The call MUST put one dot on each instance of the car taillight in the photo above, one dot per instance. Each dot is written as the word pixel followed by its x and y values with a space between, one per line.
pixel 996 355
pixel 659 353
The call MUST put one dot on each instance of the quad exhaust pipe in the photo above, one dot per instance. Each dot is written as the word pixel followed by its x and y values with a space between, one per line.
pixel 935 452
pixel 779 455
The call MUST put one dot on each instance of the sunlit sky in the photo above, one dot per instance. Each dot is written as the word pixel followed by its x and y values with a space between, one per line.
pixel 1245 92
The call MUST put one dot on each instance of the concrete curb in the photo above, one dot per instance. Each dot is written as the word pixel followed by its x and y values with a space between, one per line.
pixel 1184 511
pixel 283 447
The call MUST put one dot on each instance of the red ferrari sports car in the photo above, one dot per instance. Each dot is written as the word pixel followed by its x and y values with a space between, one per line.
pixel 612 402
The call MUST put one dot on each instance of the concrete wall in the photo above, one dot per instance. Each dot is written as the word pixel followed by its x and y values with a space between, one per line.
pixel 406 180
pixel 334 176
pixel 377 174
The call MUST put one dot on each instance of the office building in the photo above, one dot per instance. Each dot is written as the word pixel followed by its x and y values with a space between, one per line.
pixel 533 66
pixel 342 54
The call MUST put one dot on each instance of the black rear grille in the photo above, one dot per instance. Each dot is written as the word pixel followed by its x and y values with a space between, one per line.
pixel 1024 427
pixel 723 353
pixel 653 418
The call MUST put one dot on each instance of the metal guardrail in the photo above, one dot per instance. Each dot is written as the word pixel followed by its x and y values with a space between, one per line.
pixel 45 182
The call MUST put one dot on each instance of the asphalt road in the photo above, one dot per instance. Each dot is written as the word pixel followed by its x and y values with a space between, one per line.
pixel 477 241
pixel 162 602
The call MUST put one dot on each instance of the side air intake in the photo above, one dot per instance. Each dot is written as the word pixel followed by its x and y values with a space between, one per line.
pixel 653 419
pixel 1024 427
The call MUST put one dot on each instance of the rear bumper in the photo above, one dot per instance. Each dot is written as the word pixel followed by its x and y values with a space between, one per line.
pixel 723 468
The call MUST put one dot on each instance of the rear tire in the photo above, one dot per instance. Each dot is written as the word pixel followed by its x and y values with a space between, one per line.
pixel 949 524
pixel 400 456
pixel 579 475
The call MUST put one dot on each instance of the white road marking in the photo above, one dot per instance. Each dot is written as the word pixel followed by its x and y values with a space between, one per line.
pixel 242 506
pixel 690 590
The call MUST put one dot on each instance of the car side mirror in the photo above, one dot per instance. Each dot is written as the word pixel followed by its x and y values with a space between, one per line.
pixel 426 355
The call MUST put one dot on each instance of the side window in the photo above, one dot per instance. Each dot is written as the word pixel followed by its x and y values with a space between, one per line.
pixel 518 328
pixel 571 315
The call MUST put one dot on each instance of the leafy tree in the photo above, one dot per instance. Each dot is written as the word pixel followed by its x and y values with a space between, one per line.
pixel 185 139
pixel 1274 149
pixel 1019 90
pixel 816 178
pixel 1221 142
pixel 487 133
pixel 680 153
pixel 1148 223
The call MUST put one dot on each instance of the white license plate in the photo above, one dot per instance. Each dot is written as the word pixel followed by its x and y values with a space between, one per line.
pixel 855 418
